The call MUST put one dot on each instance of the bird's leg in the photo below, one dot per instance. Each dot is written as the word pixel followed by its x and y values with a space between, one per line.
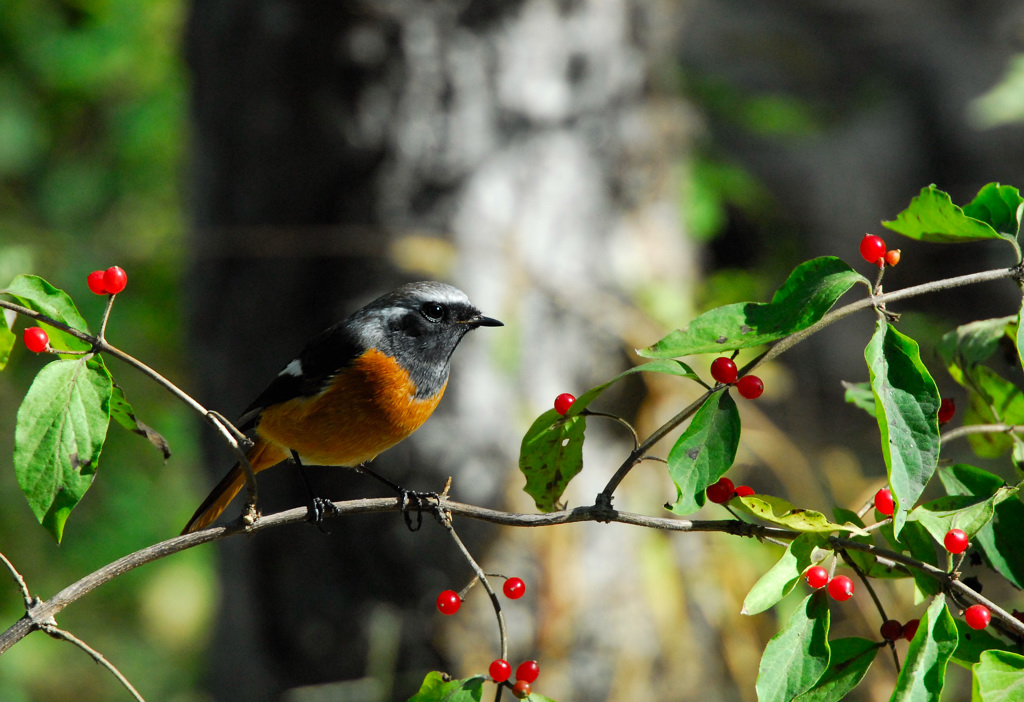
pixel 318 506
pixel 407 499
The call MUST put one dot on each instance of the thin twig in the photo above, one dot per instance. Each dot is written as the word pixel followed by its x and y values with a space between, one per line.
pixel 60 634
pixel 446 521
pixel 22 585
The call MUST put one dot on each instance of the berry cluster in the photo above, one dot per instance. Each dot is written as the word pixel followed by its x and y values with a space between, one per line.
pixel 108 282
pixel 526 673
pixel 449 602
pixel 872 249
pixel 724 371
pixel 840 588
pixel 724 490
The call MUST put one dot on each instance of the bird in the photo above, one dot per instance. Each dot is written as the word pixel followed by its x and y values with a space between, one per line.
pixel 356 389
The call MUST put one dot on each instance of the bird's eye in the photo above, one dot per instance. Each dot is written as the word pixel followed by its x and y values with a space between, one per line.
pixel 433 311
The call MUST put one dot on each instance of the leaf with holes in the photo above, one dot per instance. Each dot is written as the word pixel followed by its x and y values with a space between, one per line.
pixel 550 456
pixel 704 452
pixel 776 510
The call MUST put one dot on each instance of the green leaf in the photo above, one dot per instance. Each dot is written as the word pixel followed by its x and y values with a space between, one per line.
pixel 971 643
pixel 998 677
pixel 847 666
pixel 704 452
pixel 60 430
pixel 906 408
pixel 810 291
pixel 968 512
pixel 924 671
pixel 971 344
pixel 992 400
pixel 665 366
pixel 915 540
pixel 7 340
pixel 1019 337
pixel 781 578
pixel 932 217
pixel 550 456
pixel 795 658
pixel 551 453
pixel 860 395
pixel 36 294
pixel 999 206
pixel 776 510
pixel 999 540
pixel 867 563
pixel 438 687
pixel 121 411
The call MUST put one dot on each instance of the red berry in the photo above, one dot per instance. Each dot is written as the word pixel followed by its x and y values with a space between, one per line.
pixel 563 402
pixel 891 630
pixel 816 576
pixel 977 616
pixel 956 541
pixel 36 339
pixel 514 588
pixel 744 491
pixel 500 670
pixel 841 588
pixel 528 671
pixel 872 248
pixel 946 410
pixel 892 257
pixel 95 282
pixel 723 370
pixel 521 689
pixel 884 502
pixel 750 387
pixel 448 602
pixel 910 629
pixel 114 279
pixel 721 492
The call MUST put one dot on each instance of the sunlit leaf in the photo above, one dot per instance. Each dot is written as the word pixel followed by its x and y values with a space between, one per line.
pixel 795 658
pixel 61 427
pixel 810 291
pixel 704 452
pixel 906 408
pixel 924 670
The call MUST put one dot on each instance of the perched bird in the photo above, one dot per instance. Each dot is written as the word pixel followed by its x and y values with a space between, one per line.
pixel 357 388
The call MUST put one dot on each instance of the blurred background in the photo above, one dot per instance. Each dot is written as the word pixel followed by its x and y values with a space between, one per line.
pixel 593 173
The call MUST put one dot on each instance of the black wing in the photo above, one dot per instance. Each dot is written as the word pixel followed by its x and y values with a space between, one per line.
pixel 308 374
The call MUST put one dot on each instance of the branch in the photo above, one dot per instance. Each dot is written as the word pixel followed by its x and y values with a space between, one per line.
pixel 99 344
pixel 46 611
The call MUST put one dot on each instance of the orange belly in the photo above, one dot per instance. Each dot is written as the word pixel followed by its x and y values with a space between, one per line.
pixel 368 407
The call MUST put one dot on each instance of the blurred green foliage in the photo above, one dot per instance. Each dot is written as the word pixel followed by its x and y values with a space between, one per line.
pixel 92 135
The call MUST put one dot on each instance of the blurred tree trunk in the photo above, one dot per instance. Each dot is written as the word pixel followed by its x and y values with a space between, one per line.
pixel 343 147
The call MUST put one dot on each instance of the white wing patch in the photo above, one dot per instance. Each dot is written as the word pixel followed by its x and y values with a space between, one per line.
pixel 293 368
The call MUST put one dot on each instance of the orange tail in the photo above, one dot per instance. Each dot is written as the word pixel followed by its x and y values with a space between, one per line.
pixel 261 456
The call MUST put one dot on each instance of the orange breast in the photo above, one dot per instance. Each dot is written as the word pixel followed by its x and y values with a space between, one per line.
pixel 368 407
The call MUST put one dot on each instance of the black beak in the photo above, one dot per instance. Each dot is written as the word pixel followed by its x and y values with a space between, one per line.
pixel 481 321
